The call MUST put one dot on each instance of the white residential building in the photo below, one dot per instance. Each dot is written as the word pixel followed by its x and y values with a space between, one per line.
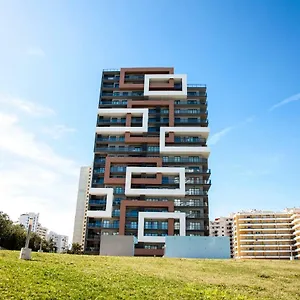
pixel 60 241
pixel 24 220
pixel 267 234
pixel 82 205
pixel 42 231
pixel 223 226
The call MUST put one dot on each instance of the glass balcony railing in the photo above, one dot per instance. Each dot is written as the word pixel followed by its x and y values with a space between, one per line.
pixel 178 139
pixel 125 149
pixel 97 202
pixel 179 159
pixel 111 139
pixel 117 169
pixel 190 111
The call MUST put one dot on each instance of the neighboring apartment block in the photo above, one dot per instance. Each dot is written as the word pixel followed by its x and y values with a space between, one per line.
pixel 263 234
pixel 42 231
pixel 223 226
pixel 60 241
pixel 24 220
pixel 82 205
pixel 150 173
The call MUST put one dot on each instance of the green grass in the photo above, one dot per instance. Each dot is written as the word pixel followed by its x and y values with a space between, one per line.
pixel 55 276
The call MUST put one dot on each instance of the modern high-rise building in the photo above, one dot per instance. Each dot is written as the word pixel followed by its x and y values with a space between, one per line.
pixel 150 175
pixel 24 220
pixel 223 226
pixel 82 205
pixel 265 234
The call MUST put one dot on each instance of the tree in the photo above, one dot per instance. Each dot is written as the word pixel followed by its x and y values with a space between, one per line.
pixel 76 249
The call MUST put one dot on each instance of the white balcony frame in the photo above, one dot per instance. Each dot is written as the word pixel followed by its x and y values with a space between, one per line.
pixel 155 192
pixel 166 94
pixel 121 112
pixel 107 213
pixel 184 131
pixel 160 216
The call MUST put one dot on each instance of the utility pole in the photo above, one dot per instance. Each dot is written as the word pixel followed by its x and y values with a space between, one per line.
pixel 26 251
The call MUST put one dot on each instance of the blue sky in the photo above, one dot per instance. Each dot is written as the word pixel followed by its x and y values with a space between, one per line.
pixel 51 57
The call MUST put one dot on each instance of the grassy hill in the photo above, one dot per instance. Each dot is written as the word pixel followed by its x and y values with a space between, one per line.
pixel 62 276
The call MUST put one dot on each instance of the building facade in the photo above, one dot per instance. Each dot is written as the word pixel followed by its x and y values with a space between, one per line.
pixel 150 175
pixel 82 205
pixel 60 241
pixel 24 220
pixel 42 231
pixel 264 234
pixel 223 226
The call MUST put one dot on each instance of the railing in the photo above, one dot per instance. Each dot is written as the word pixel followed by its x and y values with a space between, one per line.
pixel 111 139
pixel 192 121
pixel 187 170
pixel 196 85
pixel 124 102
pixel 99 161
pixel 97 202
pixel 195 228
pixel 196 94
pixel 110 70
pixel 190 102
pixel 125 149
pixel 195 193
pixel 118 169
pixel 103 225
pixel 184 159
pixel 190 111
pixel 189 140
pixel 132 214
pixel 189 204
pixel 196 216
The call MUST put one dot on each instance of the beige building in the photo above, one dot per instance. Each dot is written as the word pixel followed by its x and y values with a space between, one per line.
pixel 82 205
pixel 223 226
pixel 41 231
pixel 266 234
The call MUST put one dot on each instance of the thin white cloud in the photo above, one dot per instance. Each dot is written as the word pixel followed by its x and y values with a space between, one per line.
pixel 286 101
pixel 34 177
pixel 16 140
pixel 26 106
pixel 35 51
pixel 215 138
pixel 58 131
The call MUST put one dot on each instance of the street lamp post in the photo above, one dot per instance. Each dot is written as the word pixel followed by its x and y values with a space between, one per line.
pixel 26 251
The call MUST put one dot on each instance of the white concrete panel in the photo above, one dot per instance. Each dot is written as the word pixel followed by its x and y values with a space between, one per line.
pixel 109 193
pixel 166 94
pixel 198 131
pixel 122 112
pixel 160 216
pixel 155 192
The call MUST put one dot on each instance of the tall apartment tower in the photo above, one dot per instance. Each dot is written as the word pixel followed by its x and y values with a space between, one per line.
pixel 265 234
pixel 82 205
pixel 24 220
pixel 223 226
pixel 150 173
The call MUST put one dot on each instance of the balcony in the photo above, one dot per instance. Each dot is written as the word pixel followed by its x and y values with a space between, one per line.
pixel 124 150
pixel 189 140
pixel 180 159
pixel 190 121
pixel 110 139
pixel 190 111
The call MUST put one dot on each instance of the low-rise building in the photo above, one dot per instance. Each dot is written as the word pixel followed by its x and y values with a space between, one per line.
pixel 267 234
pixel 222 226
pixel 60 241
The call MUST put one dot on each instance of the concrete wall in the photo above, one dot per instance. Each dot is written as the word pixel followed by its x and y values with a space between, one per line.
pixel 117 245
pixel 197 247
